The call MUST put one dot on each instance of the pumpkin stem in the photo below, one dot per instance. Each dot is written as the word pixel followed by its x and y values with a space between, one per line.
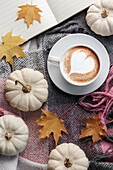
pixel 8 135
pixel 25 89
pixel 67 163
pixel 104 13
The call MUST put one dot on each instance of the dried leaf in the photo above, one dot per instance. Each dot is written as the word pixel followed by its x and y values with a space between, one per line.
pixel 10 47
pixel 93 128
pixel 51 123
pixel 30 13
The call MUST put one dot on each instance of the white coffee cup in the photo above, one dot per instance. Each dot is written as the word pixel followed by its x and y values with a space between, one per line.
pixel 58 61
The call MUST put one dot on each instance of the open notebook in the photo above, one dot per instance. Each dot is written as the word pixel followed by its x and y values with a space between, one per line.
pixel 54 12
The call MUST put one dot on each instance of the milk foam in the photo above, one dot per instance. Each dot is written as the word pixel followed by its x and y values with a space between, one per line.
pixel 80 63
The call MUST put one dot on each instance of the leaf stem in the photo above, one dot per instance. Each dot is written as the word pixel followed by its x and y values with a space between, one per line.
pixel 110 122
pixel 68 110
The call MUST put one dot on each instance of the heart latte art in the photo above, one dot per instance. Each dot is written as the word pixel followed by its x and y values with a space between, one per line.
pixel 80 65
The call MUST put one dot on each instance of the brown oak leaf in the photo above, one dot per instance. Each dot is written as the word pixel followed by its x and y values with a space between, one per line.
pixel 51 123
pixel 10 47
pixel 93 128
pixel 29 13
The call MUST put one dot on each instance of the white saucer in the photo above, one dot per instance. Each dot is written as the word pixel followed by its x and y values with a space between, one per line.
pixel 59 49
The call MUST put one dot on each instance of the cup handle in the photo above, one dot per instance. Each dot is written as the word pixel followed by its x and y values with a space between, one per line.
pixel 54 60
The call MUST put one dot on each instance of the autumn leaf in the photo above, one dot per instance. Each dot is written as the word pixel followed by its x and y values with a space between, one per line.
pixel 10 47
pixel 30 13
pixel 51 123
pixel 93 128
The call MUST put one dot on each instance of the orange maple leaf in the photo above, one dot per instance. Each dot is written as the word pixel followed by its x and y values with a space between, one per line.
pixel 30 13
pixel 51 123
pixel 93 128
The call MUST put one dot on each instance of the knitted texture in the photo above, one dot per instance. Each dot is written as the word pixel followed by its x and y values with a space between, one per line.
pixel 58 101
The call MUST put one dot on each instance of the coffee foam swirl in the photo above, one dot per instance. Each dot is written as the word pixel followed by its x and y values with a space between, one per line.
pixel 80 65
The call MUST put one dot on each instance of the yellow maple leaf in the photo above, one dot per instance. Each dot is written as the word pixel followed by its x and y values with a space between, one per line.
pixel 93 128
pixel 10 47
pixel 30 13
pixel 51 123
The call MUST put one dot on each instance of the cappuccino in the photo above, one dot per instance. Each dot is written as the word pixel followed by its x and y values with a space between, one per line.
pixel 80 65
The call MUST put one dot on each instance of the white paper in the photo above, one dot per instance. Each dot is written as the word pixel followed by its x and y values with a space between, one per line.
pixel 8 16
pixel 64 9
pixel 52 14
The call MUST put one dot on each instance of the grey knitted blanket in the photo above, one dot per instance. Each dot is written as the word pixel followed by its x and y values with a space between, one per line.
pixel 58 101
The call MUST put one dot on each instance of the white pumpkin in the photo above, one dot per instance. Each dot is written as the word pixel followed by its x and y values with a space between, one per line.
pixel 13 135
pixel 68 156
pixel 100 17
pixel 26 89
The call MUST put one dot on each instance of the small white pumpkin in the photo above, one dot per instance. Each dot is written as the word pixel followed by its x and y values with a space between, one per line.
pixel 13 135
pixel 67 156
pixel 100 17
pixel 26 89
